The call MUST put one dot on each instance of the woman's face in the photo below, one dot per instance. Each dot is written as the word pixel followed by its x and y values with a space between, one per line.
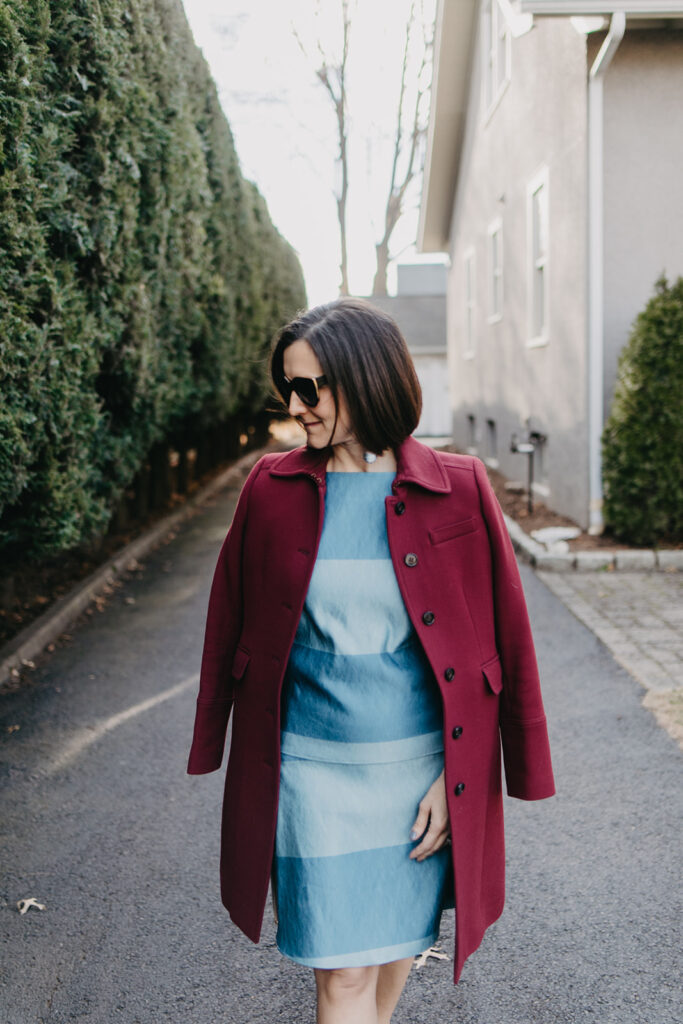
pixel 299 360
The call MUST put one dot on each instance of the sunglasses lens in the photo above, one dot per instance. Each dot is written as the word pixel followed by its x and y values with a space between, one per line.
pixel 305 389
pixel 285 389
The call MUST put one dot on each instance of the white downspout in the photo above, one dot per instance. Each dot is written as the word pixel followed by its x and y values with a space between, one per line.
pixel 595 267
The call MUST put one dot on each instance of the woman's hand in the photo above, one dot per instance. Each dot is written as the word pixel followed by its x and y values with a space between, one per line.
pixel 433 811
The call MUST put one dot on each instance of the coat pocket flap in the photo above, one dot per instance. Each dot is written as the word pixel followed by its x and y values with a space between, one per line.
pixel 451 530
pixel 493 674
pixel 240 662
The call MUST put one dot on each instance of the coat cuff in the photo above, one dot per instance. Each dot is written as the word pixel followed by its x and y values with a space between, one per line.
pixel 526 754
pixel 210 728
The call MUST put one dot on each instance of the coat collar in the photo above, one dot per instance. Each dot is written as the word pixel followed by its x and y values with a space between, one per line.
pixel 417 463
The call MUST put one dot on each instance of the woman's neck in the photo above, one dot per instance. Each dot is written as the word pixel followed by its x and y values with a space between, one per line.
pixel 347 457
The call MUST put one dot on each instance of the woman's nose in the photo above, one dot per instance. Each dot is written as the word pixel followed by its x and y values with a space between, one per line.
pixel 296 406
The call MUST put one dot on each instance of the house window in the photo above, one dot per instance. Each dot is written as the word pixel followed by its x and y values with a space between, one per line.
pixel 470 310
pixel 471 434
pixel 491 443
pixel 537 233
pixel 496 52
pixel 495 233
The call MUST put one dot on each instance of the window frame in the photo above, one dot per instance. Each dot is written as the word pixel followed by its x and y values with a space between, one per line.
pixel 493 83
pixel 470 304
pixel 495 271
pixel 540 181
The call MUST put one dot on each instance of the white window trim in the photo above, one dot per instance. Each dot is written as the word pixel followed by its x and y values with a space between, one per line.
pixel 495 227
pixel 470 346
pixel 487 15
pixel 539 180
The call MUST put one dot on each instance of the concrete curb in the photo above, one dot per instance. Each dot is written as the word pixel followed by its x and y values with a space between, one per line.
pixel 27 644
pixel 640 559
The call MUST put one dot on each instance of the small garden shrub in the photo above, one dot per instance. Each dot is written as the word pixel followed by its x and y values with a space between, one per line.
pixel 643 437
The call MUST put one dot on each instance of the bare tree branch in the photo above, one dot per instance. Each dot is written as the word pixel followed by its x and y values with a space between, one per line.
pixel 333 79
pixel 397 188
pixel 406 163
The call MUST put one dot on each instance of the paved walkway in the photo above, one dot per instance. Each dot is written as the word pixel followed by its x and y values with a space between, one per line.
pixel 639 618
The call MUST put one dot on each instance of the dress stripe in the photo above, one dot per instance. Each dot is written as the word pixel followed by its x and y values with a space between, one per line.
pixel 321 801
pixel 338 889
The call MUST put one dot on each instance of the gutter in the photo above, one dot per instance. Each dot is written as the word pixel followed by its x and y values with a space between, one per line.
pixel 595 267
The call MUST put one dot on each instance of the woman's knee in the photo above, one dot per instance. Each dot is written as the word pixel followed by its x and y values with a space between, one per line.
pixel 345 982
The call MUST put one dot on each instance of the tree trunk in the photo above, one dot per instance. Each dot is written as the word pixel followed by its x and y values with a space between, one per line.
pixel 379 284
pixel 183 472
pixel 160 475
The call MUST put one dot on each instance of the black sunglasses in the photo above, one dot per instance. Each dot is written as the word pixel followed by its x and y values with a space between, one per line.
pixel 306 388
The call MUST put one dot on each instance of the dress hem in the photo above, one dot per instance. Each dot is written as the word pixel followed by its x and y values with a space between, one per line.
pixel 366 957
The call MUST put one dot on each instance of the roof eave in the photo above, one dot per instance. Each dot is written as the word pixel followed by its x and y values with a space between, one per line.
pixel 455 27
pixel 565 8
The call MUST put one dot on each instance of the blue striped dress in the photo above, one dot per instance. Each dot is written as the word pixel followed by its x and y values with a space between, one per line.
pixel 361 745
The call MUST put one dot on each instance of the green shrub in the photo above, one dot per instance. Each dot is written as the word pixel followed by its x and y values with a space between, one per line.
pixel 643 437
pixel 141 278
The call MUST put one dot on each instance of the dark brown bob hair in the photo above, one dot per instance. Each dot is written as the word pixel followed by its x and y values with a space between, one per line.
pixel 364 357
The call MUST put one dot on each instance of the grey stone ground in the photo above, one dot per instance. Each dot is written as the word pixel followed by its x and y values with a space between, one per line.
pixel 638 616
pixel 102 825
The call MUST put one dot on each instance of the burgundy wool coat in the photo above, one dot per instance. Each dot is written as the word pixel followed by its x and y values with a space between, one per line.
pixel 459 579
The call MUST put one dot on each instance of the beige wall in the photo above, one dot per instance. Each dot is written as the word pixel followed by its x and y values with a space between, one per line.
pixel 643 136
pixel 540 120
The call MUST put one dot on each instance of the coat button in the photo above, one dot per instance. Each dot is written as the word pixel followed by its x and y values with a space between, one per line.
pixel 448 674
pixel 457 732
pixel 399 508
pixel 460 788
pixel 410 559
pixel 428 618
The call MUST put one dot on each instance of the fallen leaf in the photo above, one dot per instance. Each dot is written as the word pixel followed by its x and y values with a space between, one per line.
pixel 13 728
pixel 29 901
pixel 434 952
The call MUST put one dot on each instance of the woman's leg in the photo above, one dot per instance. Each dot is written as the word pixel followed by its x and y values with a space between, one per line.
pixel 347 995
pixel 390 981
pixel 360 995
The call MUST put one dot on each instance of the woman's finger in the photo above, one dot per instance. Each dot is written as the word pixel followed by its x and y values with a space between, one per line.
pixel 421 822
pixel 433 840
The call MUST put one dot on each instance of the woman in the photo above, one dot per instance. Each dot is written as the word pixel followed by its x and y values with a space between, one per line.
pixel 367 622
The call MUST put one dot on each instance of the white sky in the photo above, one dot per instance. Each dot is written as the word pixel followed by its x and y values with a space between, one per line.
pixel 284 123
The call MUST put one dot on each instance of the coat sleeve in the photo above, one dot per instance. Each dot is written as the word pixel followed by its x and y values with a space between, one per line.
pixel 223 627
pixel 523 729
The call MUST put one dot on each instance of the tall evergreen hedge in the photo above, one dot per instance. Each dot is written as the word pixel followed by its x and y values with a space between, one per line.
pixel 643 437
pixel 141 278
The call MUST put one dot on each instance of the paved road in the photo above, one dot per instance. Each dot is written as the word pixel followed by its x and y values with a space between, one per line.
pixel 102 825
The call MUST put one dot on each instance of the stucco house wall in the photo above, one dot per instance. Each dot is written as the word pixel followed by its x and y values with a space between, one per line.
pixel 507 380
pixel 643 175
